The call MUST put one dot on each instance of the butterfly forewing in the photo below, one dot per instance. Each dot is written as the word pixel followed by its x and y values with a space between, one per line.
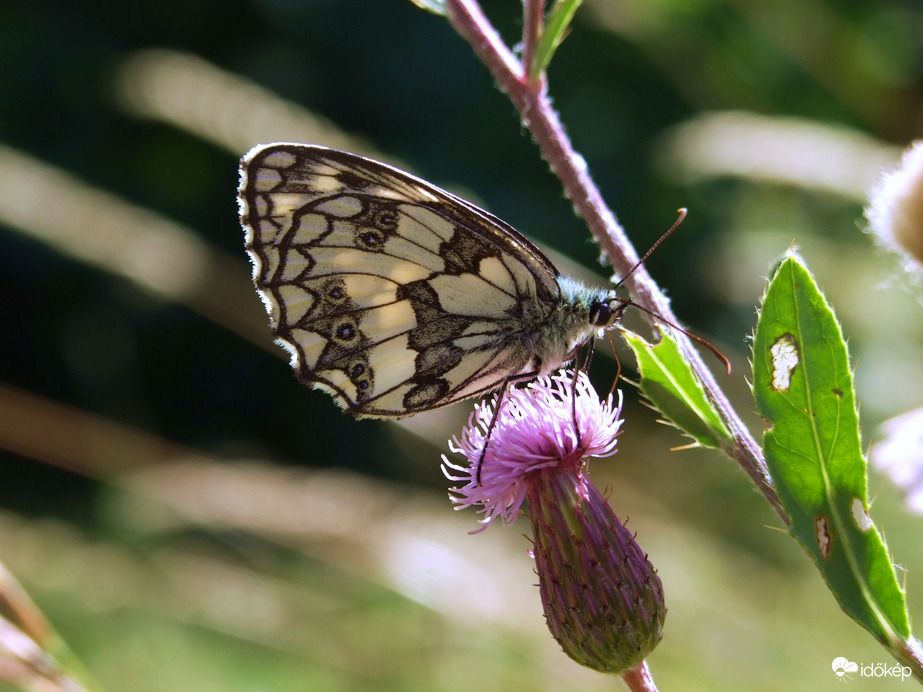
pixel 393 295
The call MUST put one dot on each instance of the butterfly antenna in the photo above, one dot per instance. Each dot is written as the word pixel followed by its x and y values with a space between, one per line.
pixel 682 215
pixel 682 211
pixel 714 349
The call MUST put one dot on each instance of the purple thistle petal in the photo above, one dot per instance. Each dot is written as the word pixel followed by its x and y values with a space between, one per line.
pixel 534 431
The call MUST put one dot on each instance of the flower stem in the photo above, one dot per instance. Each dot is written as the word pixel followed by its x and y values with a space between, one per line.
pixel 531 100
pixel 640 679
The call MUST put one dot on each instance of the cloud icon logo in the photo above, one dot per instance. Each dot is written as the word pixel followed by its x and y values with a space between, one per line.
pixel 841 666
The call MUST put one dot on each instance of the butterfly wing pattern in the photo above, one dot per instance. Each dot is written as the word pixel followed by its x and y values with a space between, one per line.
pixel 396 296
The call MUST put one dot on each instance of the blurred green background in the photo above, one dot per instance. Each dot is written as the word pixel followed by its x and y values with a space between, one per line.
pixel 190 518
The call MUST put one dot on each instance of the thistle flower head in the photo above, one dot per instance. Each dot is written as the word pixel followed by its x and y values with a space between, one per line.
pixel 602 598
pixel 534 431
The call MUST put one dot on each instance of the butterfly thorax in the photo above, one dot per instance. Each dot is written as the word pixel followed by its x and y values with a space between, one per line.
pixel 574 321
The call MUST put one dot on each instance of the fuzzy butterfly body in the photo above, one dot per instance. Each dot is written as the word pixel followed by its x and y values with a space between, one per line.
pixel 396 296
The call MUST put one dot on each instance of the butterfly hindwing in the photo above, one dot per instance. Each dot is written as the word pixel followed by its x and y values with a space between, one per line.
pixel 391 294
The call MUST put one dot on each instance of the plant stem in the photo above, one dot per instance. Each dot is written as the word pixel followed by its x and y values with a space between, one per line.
pixel 531 99
pixel 910 653
pixel 640 679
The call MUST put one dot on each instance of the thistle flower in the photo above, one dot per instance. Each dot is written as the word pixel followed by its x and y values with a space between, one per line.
pixel 534 431
pixel 602 598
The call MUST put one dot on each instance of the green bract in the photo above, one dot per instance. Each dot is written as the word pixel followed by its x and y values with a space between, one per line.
pixel 671 386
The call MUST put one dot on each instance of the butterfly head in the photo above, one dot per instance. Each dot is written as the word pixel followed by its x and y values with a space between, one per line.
pixel 587 312
pixel 606 310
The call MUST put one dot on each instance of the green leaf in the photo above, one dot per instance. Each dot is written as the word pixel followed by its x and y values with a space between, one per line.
pixel 434 6
pixel 671 386
pixel 553 33
pixel 804 390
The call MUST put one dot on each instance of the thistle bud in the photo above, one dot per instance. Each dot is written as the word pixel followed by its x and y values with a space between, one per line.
pixel 895 209
pixel 602 598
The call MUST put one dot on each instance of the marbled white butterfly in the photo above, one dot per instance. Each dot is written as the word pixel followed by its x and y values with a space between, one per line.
pixel 396 296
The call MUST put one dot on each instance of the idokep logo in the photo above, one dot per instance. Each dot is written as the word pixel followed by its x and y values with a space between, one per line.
pixel 842 667
pixel 845 670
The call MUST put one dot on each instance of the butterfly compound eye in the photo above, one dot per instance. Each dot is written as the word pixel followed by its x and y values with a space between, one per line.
pixel 601 314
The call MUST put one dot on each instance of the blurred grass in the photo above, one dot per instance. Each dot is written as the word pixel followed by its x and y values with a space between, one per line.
pixel 164 497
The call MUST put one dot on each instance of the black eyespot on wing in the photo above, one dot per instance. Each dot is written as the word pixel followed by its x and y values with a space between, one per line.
pixel 335 290
pixel 370 239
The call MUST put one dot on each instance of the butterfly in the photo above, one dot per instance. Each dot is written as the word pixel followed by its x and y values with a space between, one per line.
pixel 396 296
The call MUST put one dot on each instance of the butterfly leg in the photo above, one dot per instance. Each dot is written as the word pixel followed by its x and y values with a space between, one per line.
pixel 493 419
pixel 618 363
pixel 573 391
